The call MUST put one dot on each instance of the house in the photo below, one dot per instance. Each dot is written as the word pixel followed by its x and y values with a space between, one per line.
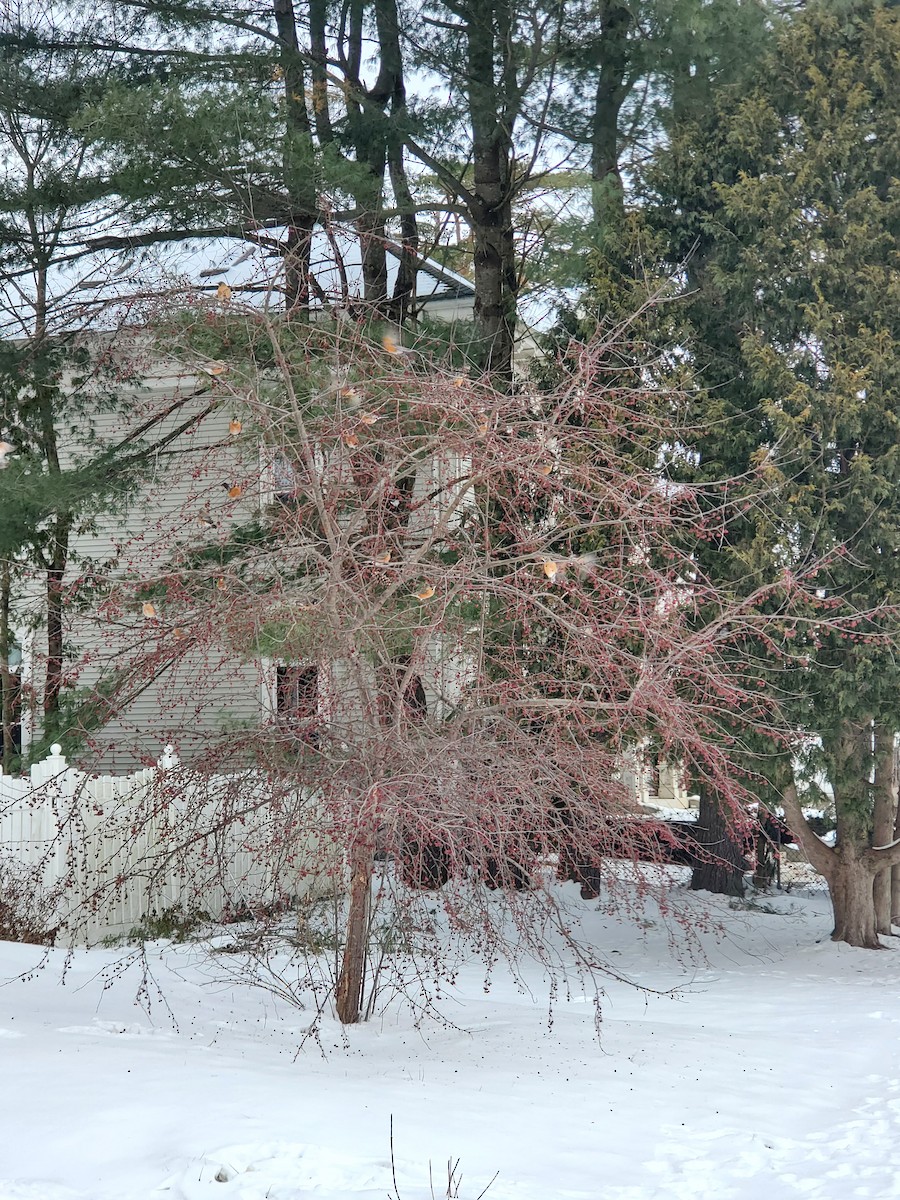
pixel 208 476
pixel 182 503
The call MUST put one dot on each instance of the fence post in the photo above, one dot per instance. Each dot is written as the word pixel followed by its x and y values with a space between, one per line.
pixel 170 893
pixel 169 758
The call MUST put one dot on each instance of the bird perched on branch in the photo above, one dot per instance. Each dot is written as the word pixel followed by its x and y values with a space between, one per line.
pixel 351 396
pixel 555 568
pixel 391 342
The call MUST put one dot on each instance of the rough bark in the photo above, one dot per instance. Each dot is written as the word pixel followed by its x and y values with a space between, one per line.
pixel 55 573
pixel 493 106
pixel 883 809
pixel 849 873
pixel 612 90
pixel 319 71
pixel 850 883
pixel 352 978
pixel 722 864
pixel 6 679
pixel 377 150
pixel 57 555
pixel 298 165
pixel 387 24
pixel 401 308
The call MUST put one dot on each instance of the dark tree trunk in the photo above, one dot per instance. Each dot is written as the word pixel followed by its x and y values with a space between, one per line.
pixel 299 167
pixel 387 24
pixel 612 90
pixel 319 70
pixel 372 240
pixel 493 106
pixel 883 812
pixel 369 135
pixel 7 680
pixel 55 573
pixel 351 981
pixel 401 308
pixel 722 863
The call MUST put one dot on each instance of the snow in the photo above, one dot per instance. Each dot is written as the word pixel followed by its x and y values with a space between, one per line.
pixel 763 1063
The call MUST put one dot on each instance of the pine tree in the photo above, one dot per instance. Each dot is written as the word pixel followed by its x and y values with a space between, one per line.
pixel 67 346
pixel 791 207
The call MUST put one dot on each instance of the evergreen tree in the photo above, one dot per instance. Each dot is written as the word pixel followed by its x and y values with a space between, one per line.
pixel 791 208
pixel 66 355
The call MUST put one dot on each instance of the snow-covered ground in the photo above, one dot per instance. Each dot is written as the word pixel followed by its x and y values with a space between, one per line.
pixel 771 1070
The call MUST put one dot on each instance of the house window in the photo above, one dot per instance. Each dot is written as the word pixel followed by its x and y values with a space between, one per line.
pixel 284 478
pixel 297 698
pixel 398 499
pixel 415 704
pixel 414 700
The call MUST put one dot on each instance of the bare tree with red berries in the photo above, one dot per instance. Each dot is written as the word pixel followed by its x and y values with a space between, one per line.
pixel 473 608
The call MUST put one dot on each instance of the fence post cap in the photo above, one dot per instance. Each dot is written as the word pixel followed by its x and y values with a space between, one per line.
pixel 169 758
pixel 56 750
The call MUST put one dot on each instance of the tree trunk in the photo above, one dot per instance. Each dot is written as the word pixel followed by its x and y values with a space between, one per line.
pixel 850 883
pixel 850 877
pixel 492 109
pixel 318 45
pixel 401 308
pixel 55 573
pixel 895 871
pixel 884 803
pixel 721 866
pixel 6 677
pixel 388 26
pixel 352 978
pixel 298 165
pixel 612 89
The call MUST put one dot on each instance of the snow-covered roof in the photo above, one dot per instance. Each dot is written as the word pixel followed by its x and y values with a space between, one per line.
pixel 108 287
pixel 335 264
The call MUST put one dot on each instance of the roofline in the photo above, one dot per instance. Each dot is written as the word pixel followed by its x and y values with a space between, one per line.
pixel 461 287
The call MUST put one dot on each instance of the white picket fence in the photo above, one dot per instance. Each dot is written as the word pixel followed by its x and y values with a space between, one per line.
pixel 116 849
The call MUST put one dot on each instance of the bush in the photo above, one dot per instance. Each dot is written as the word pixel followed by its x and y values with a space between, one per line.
pixel 28 908
pixel 173 924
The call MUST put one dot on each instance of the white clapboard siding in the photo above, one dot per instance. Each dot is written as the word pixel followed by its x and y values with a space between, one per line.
pixel 212 689
pixel 118 849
